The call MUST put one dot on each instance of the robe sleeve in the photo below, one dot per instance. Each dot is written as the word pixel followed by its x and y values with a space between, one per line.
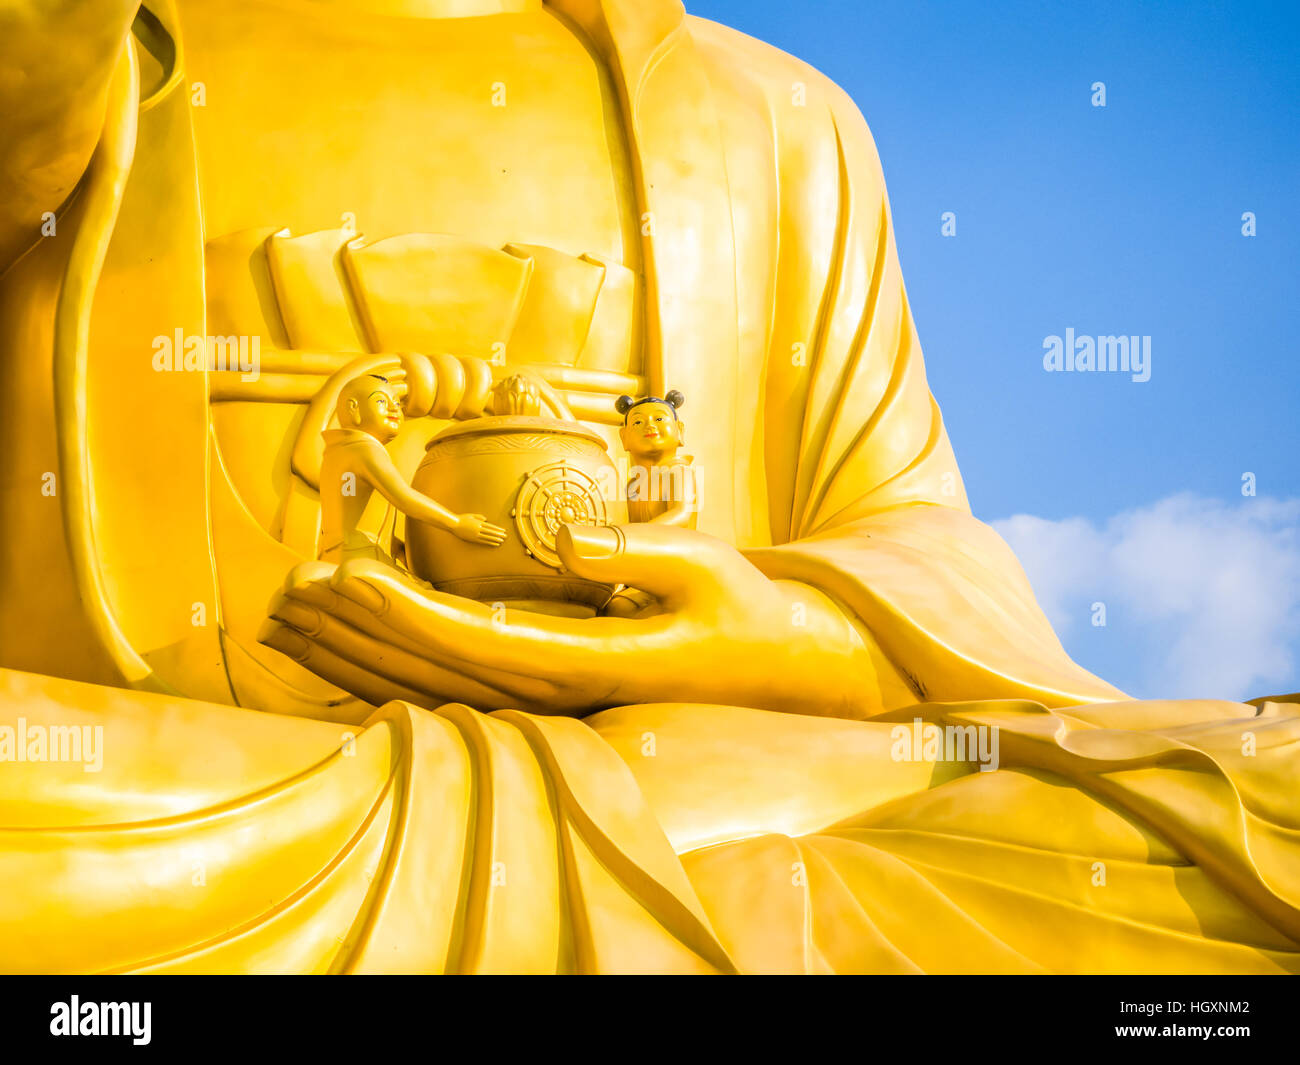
pixel 864 497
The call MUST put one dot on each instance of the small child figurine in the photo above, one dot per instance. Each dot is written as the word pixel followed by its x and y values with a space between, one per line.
pixel 355 464
pixel 661 484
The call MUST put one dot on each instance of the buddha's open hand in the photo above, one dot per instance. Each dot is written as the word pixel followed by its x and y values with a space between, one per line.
pixel 476 529
pixel 722 632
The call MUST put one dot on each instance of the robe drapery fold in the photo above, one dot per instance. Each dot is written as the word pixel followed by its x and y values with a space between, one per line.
pixel 423 842
pixel 1127 837
pixel 863 496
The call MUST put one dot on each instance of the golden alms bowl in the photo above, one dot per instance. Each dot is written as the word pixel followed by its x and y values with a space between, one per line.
pixel 530 475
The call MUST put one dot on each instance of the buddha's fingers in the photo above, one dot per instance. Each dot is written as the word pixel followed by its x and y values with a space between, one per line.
pixel 314 589
pixel 389 662
pixel 308 574
pixel 364 637
pixel 506 648
pixel 338 671
pixel 520 689
pixel 420 382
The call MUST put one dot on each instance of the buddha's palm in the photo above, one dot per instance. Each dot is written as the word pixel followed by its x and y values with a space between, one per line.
pixel 722 632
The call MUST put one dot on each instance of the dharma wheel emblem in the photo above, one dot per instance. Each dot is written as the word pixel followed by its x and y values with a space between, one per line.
pixel 551 496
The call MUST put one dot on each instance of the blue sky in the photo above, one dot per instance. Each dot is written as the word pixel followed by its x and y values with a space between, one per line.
pixel 1123 219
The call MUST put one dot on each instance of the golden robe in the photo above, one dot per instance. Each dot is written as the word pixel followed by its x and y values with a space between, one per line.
pixel 1116 836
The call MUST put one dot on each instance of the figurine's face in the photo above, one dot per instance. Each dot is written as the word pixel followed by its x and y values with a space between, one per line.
pixel 652 431
pixel 377 411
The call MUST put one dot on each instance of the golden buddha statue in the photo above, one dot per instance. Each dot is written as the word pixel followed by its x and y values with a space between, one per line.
pixel 377 774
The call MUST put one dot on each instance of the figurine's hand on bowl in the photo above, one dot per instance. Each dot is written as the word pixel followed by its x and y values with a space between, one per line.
pixel 725 633
pixel 476 529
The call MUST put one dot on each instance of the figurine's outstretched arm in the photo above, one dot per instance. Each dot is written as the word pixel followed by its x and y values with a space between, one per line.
pixel 55 64
pixel 381 472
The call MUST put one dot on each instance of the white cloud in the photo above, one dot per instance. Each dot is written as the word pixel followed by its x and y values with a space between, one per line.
pixel 1202 597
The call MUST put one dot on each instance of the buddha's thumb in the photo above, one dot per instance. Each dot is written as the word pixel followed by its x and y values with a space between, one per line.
pixel 665 561
pixel 592 543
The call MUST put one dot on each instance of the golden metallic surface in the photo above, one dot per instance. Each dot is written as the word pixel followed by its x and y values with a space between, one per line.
pixel 663 486
pixel 247 724
pixel 531 475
